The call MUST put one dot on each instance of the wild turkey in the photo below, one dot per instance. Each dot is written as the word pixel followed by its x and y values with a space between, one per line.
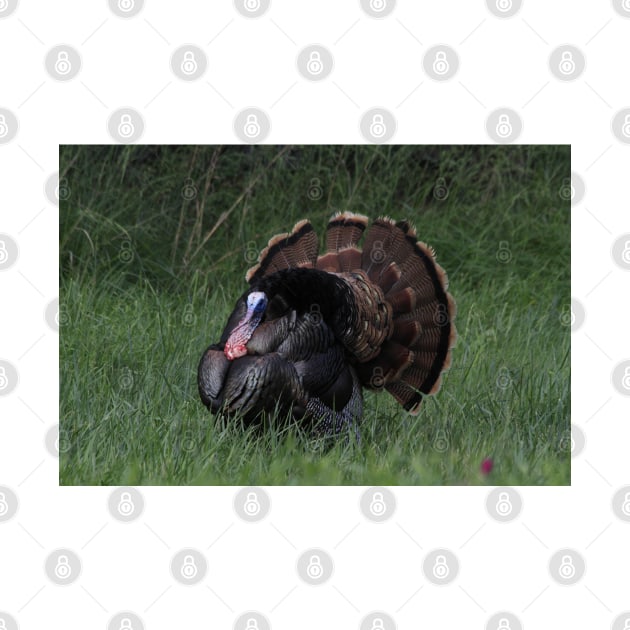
pixel 311 331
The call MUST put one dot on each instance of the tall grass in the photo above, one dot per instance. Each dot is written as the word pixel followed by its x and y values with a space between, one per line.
pixel 154 243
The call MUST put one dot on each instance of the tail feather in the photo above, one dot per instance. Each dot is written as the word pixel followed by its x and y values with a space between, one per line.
pixel 405 344
pixel 344 230
pixel 342 235
pixel 298 248
pixel 423 312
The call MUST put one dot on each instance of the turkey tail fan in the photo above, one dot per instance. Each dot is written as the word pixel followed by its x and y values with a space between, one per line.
pixel 418 349
pixel 342 236
pixel 297 248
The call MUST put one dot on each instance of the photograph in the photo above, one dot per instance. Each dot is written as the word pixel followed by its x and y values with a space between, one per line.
pixel 315 315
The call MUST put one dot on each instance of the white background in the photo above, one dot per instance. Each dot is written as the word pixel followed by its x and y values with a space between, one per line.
pixel 251 62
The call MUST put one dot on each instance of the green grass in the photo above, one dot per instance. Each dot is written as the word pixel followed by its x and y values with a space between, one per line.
pixel 150 270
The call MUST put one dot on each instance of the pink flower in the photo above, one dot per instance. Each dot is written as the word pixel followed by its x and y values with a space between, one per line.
pixel 486 466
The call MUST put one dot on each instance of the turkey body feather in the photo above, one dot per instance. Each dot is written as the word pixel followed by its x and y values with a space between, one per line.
pixel 311 331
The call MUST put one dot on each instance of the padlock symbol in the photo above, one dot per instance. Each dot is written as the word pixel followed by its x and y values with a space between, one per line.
pixel 126 506
pixel 440 568
pixel 625 255
pixel 567 568
pixel 625 129
pixel 626 623
pixel 4 380
pixel 62 65
pixel 62 569
pixel 377 504
pixel 189 64
pixel 625 381
pixel 378 624
pixel 504 5
pixel 252 5
pixel 378 379
pixel 4 128
pixel 440 63
pixel 3 5
pixel 377 126
pixel 314 569
pixel 252 126
pixel 504 624
pixel 625 506
pixel 504 126
pixel 504 505
pixel 126 128
pixel 189 568
pixel 252 624
pixel 126 5
pixel 3 625
pixel 125 624
pixel 567 64
pixel 625 5
pixel 314 64
pixel 378 5
pixel 252 505
pixel 4 254
pixel 4 506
